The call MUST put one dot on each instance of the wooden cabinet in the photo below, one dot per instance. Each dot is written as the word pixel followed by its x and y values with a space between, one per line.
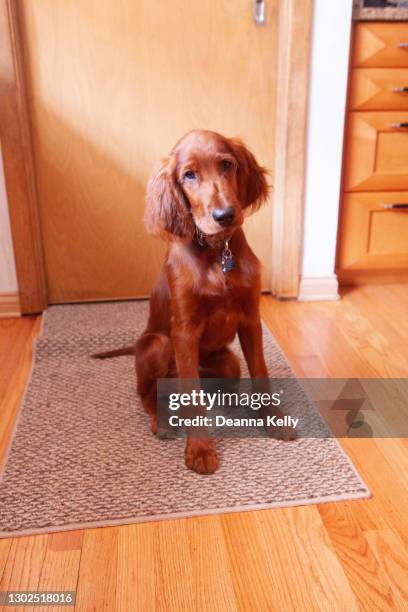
pixel 377 151
pixel 373 237
pixel 380 44
pixel 379 89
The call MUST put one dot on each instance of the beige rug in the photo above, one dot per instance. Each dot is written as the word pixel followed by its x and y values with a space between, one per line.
pixel 82 454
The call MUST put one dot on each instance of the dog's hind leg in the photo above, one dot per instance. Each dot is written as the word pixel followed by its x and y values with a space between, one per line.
pixel 154 358
pixel 220 364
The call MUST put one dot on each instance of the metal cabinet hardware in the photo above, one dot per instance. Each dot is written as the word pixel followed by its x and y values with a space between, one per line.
pixel 259 12
pixel 394 206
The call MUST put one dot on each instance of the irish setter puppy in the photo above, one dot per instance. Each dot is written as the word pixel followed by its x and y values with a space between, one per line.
pixel 209 287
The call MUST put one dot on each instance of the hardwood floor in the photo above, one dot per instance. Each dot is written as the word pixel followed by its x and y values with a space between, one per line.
pixel 337 556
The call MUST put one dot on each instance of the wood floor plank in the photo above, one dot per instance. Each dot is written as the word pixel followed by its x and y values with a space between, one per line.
pixel 256 569
pixel 97 580
pixel 394 451
pixel 283 560
pixel 24 565
pixel 389 504
pixel 391 304
pixel 14 335
pixel 341 334
pixel 136 580
pixel 372 343
pixel 387 314
pixel 302 331
pixel 173 568
pixel 365 574
pixel 5 547
pixel 292 336
pixel 14 384
pixel 60 567
pixel 392 556
pixel 213 585
pixel 66 540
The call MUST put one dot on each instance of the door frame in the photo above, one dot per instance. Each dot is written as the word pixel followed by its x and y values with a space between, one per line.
pixel 15 141
pixel 294 40
pixel 294 44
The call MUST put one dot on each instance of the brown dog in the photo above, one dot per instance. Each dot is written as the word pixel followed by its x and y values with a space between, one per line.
pixel 209 287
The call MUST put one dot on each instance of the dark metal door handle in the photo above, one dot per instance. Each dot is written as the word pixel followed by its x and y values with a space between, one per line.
pixel 399 126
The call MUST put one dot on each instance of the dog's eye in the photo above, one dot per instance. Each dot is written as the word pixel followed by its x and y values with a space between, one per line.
pixel 226 165
pixel 190 175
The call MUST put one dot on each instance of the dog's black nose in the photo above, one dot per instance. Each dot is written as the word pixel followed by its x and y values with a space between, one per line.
pixel 224 216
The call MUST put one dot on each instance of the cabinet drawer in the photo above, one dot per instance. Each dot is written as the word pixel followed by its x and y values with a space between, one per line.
pixel 381 44
pixel 379 89
pixel 374 237
pixel 377 152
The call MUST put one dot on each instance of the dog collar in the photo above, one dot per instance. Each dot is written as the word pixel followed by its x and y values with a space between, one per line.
pixel 204 240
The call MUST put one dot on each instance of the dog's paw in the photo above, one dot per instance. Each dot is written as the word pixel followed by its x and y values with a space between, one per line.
pixel 283 433
pixel 153 423
pixel 201 456
pixel 279 432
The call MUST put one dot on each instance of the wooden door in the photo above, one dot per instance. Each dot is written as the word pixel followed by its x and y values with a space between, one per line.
pixel 112 85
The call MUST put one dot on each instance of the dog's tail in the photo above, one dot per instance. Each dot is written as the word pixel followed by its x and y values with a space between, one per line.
pixel 125 350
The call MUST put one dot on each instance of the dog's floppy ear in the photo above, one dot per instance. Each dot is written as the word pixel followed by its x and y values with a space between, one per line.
pixel 166 212
pixel 252 183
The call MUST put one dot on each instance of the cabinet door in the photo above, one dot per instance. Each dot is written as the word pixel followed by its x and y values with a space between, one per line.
pixel 374 237
pixel 377 152
pixel 379 89
pixel 381 44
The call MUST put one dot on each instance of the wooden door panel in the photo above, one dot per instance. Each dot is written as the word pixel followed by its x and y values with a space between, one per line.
pixel 377 152
pixel 112 86
pixel 379 89
pixel 374 237
pixel 381 44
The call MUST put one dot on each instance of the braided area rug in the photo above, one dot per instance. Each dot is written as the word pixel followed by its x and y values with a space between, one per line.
pixel 82 454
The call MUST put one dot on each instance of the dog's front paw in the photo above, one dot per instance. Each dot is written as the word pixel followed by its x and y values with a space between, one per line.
pixel 283 433
pixel 201 456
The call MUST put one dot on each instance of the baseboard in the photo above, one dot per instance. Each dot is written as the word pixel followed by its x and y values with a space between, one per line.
pixel 318 288
pixel 9 305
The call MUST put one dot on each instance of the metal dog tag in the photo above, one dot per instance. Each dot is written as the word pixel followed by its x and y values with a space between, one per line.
pixel 227 260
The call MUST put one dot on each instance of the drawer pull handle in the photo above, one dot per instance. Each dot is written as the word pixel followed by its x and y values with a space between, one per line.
pixel 399 126
pixel 400 89
pixel 403 45
pixel 394 206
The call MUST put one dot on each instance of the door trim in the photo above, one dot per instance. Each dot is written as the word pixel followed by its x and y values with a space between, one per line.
pixel 294 23
pixel 294 42
pixel 15 140
pixel 9 305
